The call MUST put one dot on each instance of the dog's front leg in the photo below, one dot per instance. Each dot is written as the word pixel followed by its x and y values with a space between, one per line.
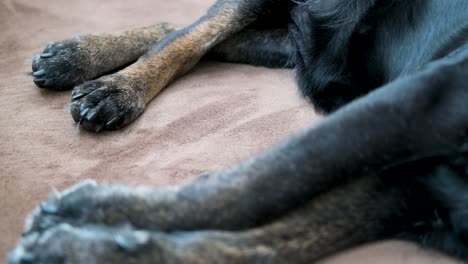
pixel 332 221
pixel 64 64
pixel 115 100
pixel 70 62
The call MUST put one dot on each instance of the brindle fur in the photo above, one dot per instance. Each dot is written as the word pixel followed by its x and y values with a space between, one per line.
pixel 358 176
pixel 63 65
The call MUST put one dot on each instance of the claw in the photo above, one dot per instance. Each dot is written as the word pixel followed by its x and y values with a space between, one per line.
pixel 46 55
pixel 49 208
pixel 39 73
pixel 90 126
pixel 99 128
pixel 84 112
pixel 113 122
pixel 56 194
pixel 131 242
pixel 39 80
pixel 80 122
pixel 91 115
pixel 77 96
pixel 84 184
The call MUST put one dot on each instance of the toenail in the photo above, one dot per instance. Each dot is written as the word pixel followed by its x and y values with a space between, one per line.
pixel 46 55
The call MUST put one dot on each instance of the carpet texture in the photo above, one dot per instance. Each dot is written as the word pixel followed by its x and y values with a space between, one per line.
pixel 216 116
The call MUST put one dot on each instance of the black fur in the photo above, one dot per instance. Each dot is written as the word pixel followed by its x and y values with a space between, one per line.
pixel 343 49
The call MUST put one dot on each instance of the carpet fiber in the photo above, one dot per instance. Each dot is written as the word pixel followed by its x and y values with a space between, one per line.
pixel 216 116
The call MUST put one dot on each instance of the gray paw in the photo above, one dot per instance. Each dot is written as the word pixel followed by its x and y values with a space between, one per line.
pixel 91 244
pixel 108 103
pixel 62 65
pixel 69 207
pixel 88 203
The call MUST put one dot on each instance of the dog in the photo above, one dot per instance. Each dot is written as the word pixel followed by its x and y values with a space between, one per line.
pixel 389 160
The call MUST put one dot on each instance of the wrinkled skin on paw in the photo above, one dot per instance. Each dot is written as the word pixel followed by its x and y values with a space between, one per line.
pixel 62 65
pixel 108 103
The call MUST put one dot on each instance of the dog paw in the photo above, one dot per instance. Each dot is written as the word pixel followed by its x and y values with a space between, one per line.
pixel 89 203
pixel 108 103
pixel 91 244
pixel 62 65
pixel 69 207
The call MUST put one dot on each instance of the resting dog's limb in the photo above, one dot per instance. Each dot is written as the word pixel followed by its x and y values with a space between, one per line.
pixel 382 128
pixel 115 100
pixel 73 61
pixel 328 223
pixel 64 64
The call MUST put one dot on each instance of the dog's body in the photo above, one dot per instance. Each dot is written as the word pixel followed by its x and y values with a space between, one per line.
pixel 389 164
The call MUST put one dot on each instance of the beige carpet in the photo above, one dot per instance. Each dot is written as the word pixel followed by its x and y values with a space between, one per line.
pixel 214 117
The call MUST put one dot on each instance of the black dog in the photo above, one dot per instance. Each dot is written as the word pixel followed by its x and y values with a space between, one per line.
pixel 389 162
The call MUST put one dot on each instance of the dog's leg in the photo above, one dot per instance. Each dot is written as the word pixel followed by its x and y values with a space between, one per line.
pixel 330 222
pixel 115 100
pixel 65 64
pixel 382 128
